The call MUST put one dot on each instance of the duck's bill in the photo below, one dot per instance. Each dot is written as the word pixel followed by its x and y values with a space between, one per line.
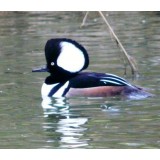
pixel 40 69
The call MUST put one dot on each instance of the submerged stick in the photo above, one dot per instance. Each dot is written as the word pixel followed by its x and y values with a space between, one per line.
pixel 130 59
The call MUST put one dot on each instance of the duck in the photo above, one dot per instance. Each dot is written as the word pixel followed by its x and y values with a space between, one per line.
pixel 65 61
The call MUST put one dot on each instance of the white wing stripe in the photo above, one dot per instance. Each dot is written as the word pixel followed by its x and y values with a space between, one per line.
pixel 110 81
pixel 114 76
pixel 114 81
pixel 119 80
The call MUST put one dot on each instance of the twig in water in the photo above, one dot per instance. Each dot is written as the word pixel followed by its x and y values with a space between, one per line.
pixel 130 59
pixel 84 19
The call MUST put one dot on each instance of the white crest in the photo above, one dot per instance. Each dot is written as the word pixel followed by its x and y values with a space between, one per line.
pixel 71 58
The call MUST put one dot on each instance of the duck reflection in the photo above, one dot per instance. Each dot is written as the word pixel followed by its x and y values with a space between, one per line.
pixel 65 129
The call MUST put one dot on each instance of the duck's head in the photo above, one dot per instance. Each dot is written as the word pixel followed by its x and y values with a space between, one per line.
pixel 64 57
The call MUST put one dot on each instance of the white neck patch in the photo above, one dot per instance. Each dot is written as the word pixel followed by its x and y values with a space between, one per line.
pixel 71 58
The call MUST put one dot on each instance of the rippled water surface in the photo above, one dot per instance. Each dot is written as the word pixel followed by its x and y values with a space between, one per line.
pixel 78 122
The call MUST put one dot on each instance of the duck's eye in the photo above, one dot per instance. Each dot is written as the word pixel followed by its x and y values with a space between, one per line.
pixel 52 63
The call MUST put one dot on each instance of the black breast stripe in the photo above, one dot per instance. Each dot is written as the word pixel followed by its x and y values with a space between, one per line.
pixel 65 91
pixel 55 89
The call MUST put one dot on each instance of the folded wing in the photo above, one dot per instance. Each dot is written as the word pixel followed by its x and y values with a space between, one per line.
pixel 87 80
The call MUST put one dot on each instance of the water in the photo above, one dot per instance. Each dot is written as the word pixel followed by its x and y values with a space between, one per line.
pixel 78 122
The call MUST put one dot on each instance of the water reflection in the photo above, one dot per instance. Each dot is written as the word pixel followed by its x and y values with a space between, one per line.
pixel 62 126
pixel 57 106
pixel 67 124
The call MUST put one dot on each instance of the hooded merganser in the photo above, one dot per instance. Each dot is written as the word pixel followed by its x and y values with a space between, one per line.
pixel 65 60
